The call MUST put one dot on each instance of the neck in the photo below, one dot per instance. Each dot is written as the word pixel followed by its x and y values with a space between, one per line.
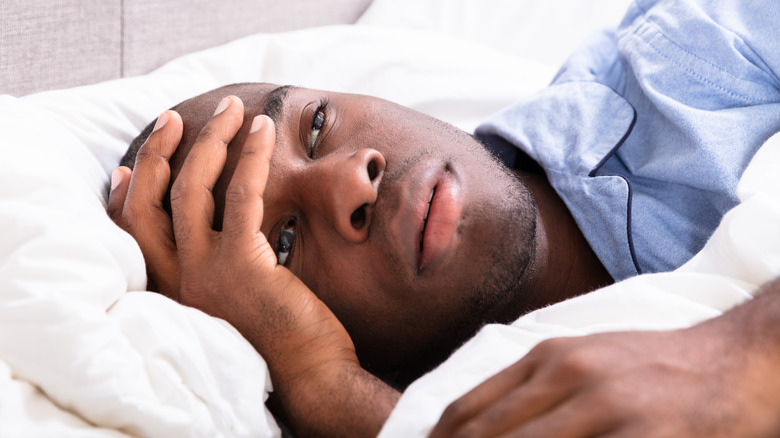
pixel 565 264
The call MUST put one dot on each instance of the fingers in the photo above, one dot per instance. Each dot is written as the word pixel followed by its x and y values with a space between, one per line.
pixel 531 410
pixel 575 418
pixel 460 415
pixel 524 392
pixel 151 172
pixel 191 194
pixel 151 164
pixel 244 196
pixel 120 182
pixel 136 202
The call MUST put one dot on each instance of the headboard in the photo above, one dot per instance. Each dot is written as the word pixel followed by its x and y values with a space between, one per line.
pixel 46 45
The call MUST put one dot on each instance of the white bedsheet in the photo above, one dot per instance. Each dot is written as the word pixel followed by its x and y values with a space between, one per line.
pixel 742 255
pixel 84 351
pixel 79 354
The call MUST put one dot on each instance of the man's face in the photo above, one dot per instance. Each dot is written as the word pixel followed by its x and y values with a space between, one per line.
pixel 405 227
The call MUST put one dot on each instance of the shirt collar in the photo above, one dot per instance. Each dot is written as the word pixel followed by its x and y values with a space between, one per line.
pixel 571 129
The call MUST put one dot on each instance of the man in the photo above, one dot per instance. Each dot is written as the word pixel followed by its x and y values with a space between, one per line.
pixel 636 135
pixel 444 237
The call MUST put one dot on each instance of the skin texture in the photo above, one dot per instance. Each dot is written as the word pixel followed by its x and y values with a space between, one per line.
pixel 715 379
pixel 233 273
pixel 375 159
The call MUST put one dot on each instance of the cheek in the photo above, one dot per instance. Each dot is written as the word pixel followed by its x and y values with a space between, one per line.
pixel 342 283
pixel 355 289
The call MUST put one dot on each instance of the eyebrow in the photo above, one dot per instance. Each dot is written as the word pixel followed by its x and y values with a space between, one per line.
pixel 274 106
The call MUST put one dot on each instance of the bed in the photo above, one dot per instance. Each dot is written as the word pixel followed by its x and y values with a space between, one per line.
pixel 86 351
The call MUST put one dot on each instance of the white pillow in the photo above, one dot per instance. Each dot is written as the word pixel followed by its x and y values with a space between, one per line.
pixel 78 354
pixel 544 31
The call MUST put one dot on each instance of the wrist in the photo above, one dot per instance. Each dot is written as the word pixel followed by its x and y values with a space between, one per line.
pixel 748 341
pixel 338 399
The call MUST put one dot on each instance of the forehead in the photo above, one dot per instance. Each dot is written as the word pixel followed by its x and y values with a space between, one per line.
pixel 258 97
pixel 353 118
pixel 358 117
pixel 376 116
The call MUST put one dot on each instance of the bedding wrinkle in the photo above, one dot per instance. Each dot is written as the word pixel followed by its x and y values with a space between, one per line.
pixel 182 373
pixel 86 351
pixel 65 270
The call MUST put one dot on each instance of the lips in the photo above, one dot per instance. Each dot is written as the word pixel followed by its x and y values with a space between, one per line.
pixel 425 217
pixel 440 222
pixel 425 204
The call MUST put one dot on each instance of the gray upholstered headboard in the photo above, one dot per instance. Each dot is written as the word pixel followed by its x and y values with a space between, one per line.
pixel 47 44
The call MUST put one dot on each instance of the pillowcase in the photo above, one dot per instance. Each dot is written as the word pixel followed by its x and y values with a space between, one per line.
pixel 84 350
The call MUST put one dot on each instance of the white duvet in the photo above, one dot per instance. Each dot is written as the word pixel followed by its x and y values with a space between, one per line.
pixel 85 351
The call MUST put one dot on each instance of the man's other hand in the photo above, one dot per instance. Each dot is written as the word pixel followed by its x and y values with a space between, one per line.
pixel 716 379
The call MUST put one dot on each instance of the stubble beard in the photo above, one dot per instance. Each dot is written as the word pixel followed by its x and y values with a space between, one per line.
pixel 501 296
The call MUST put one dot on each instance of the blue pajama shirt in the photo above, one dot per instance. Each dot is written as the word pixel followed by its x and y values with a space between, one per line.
pixel 645 131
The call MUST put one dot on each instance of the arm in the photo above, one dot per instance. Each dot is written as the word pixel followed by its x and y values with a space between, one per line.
pixel 716 379
pixel 233 274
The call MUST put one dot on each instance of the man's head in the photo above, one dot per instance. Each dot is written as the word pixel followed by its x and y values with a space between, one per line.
pixel 407 228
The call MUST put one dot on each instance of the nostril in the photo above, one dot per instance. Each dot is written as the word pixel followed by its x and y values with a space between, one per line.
pixel 373 170
pixel 358 217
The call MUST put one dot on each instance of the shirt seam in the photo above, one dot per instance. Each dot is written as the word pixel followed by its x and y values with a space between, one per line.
pixel 660 33
pixel 592 174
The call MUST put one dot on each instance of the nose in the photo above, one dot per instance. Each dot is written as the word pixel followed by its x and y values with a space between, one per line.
pixel 347 191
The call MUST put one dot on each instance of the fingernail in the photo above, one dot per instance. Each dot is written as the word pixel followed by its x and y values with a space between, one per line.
pixel 223 105
pixel 257 124
pixel 161 121
pixel 116 178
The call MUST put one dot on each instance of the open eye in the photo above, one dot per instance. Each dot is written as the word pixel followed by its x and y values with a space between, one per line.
pixel 286 242
pixel 317 124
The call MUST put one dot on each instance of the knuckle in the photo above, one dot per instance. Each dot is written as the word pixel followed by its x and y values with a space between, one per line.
pixel 572 359
pixel 115 213
pixel 131 218
pixel 207 134
pixel 578 363
pixel 555 344
pixel 454 412
pixel 179 191
pixel 145 154
pixel 248 152
pixel 548 348
pixel 237 193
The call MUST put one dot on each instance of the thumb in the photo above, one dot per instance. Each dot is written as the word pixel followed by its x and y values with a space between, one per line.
pixel 120 182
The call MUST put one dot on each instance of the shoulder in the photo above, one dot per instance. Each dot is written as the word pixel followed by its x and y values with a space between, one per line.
pixel 707 54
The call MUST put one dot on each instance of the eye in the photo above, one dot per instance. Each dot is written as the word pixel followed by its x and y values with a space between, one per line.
pixel 286 242
pixel 317 124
